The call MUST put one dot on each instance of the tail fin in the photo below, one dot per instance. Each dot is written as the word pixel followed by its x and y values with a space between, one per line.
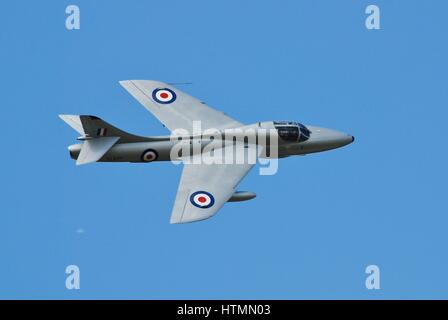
pixel 93 127
pixel 98 136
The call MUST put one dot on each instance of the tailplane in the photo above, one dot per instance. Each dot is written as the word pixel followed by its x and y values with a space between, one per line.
pixel 98 136
pixel 94 149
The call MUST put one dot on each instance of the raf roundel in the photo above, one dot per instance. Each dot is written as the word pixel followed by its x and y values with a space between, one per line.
pixel 202 199
pixel 164 96
pixel 149 155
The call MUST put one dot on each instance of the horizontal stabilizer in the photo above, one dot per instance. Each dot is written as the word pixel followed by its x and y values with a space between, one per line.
pixel 94 149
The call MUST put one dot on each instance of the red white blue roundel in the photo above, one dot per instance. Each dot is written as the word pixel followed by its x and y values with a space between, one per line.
pixel 149 155
pixel 164 96
pixel 202 199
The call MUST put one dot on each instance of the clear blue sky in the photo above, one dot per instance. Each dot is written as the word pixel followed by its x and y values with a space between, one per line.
pixel 314 226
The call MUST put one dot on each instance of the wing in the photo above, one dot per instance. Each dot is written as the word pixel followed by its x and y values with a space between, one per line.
pixel 205 188
pixel 174 108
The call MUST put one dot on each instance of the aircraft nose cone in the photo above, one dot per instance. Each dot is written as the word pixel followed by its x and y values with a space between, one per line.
pixel 328 138
pixel 345 139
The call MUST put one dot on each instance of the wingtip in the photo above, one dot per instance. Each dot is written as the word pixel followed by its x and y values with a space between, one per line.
pixel 136 81
pixel 124 82
pixel 175 219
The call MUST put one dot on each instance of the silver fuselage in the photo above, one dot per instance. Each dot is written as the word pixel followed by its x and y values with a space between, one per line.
pixel 318 140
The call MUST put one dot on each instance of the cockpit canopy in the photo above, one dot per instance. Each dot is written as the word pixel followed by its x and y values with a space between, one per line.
pixel 292 131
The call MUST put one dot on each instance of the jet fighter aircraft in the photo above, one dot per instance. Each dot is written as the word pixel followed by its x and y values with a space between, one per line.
pixel 204 186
